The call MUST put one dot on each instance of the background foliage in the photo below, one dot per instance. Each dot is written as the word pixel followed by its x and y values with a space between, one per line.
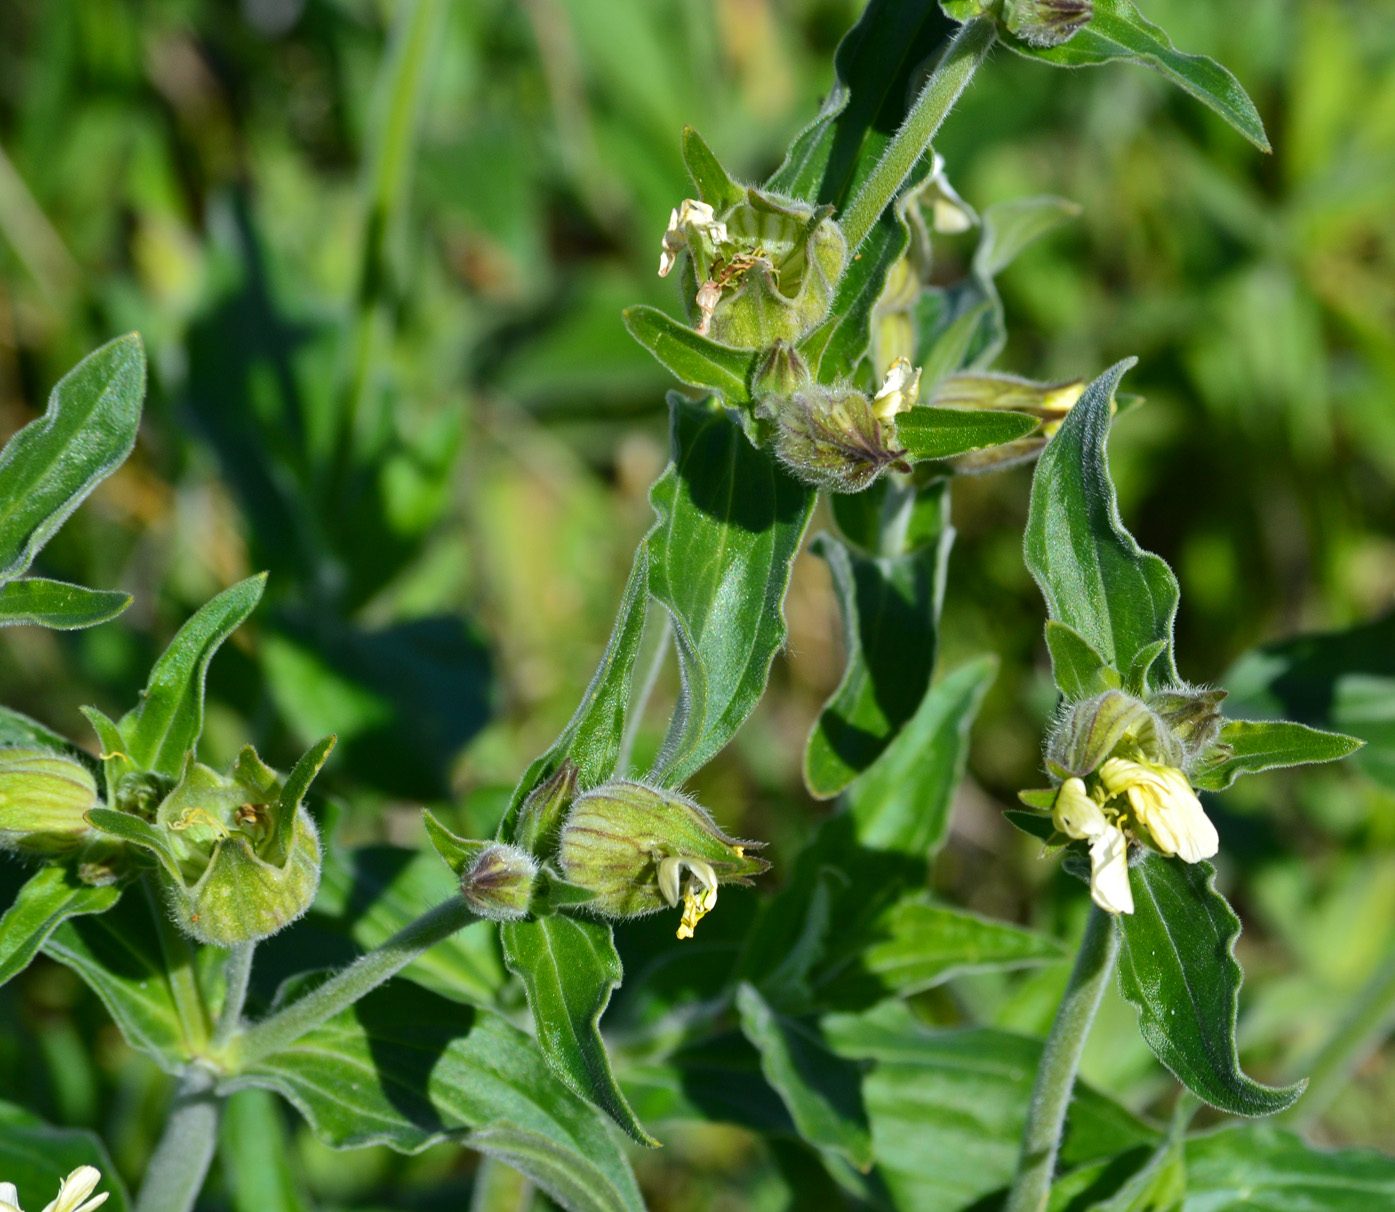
pixel 470 196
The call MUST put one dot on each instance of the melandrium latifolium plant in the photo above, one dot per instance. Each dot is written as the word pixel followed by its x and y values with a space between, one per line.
pixel 821 350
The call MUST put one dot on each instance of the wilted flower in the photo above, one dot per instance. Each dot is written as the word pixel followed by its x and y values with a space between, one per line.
pixel 685 221
pixel 899 390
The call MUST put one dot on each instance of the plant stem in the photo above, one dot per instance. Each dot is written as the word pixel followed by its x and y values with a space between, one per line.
pixel 179 970
pixel 1046 1115
pixel 365 974
pixel 180 1163
pixel 950 77
pixel 237 973
pixel 1361 1031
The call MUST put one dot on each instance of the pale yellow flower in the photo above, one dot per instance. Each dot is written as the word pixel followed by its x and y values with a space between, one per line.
pixel 72 1193
pixel 899 390
pixel 1165 805
pixel 1077 815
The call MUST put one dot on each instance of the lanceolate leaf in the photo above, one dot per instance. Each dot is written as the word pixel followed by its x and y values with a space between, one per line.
pixel 941 433
pixel 730 522
pixel 1255 745
pixel 569 966
pixel 821 1091
pixel 1095 578
pixel 58 605
pixel 1119 31
pixel 874 66
pixel 51 464
pixel 48 898
pixel 406 1068
pixel 891 612
pixel 169 719
pixel 1079 670
pixel 1177 966
pixel 694 359
pixel 714 185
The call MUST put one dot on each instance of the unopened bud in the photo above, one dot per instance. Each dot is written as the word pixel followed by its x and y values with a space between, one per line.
pixel 1192 716
pixel 499 884
pixel 1046 22
pixel 832 438
pixel 43 799
pixel 640 849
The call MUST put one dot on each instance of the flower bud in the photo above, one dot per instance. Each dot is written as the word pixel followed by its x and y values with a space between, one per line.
pixel 43 799
pixel 1192 716
pixel 831 437
pixel 542 813
pixel 640 849
pixel 499 884
pixel 1092 729
pixel 1046 22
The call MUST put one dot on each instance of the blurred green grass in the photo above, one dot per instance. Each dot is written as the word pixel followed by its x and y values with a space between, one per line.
pixel 222 177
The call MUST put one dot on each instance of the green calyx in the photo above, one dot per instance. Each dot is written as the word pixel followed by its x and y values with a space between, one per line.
pixel 1041 23
pixel 1176 727
pixel 634 846
pixel 237 855
pixel 44 798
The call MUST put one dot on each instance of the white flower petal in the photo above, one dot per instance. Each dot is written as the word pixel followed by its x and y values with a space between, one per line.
pixel 1077 815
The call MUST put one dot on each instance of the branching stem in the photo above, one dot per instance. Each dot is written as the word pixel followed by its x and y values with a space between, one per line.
pixel 284 1027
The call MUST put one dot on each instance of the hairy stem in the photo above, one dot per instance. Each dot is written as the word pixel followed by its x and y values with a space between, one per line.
pixel 236 973
pixel 937 98
pixel 1046 1115
pixel 283 1028
pixel 1361 1031
pixel 180 1163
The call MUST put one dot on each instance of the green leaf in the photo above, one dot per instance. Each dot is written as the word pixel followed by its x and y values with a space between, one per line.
pixel 58 605
pixel 136 831
pixel 1259 1168
pixel 875 66
pixel 1177 967
pixel 696 360
pixel 1254 745
pixel 821 1091
pixel 35 1156
pixel 456 852
pixel 1095 578
pixel 918 945
pixel 167 723
pixel 1118 31
pixel 297 786
pixel 118 954
pixel 48 898
pixel 947 1108
pixel 367 894
pixel 569 966
pixel 1343 681
pixel 714 185
pixel 730 522
pixel 1010 226
pixel 51 464
pixel 1079 670
pixel 867 857
pixel 902 803
pixel 891 612
pixel 406 1068
pixel 941 433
